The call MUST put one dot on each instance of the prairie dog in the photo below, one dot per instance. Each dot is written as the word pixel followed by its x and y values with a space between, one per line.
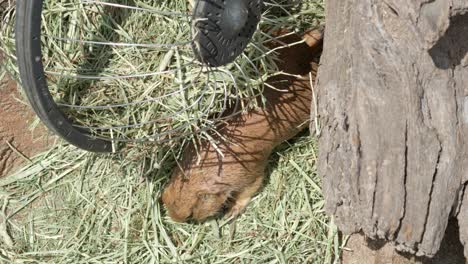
pixel 216 184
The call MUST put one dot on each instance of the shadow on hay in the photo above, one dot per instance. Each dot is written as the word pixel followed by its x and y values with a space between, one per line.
pixel 97 58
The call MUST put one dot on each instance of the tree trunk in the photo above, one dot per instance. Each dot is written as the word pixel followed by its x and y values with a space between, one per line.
pixel 393 105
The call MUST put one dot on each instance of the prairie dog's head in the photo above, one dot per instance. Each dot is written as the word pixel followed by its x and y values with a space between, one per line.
pixel 198 191
pixel 195 195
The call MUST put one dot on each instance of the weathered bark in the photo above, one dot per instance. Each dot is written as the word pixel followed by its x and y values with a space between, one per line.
pixel 393 90
pixel 462 216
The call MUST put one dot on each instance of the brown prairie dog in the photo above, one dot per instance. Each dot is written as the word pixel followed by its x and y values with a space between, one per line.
pixel 199 190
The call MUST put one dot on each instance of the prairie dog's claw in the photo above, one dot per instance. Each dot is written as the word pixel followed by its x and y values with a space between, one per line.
pixel 238 208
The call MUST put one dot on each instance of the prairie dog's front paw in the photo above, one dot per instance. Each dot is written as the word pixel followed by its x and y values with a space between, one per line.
pixel 238 208
pixel 243 198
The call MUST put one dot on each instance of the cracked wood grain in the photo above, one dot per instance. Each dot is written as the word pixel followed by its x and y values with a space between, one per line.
pixel 392 101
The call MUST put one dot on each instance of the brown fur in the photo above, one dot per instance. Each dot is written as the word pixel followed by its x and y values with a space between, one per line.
pixel 199 190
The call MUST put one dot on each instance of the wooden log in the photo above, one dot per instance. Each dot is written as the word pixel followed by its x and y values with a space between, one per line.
pixel 462 216
pixel 393 105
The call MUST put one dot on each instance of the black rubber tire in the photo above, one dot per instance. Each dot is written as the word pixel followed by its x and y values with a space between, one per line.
pixel 34 83
pixel 218 41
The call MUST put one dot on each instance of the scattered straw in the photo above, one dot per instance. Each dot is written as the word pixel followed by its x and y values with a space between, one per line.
pixel 69 206
pixel 76 207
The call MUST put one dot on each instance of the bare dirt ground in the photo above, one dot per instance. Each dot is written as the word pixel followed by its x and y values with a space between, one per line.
pixel 16 137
